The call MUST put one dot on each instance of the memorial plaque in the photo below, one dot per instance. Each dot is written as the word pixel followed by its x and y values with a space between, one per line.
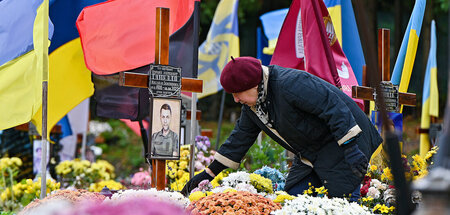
pixel 390 93
pixel 164 81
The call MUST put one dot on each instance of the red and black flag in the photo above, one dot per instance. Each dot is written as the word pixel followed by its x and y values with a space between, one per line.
pixel 123 44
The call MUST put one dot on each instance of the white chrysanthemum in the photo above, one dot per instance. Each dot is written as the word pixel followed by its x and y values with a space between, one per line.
pixel 220 189
pixel 378 184
pixel 236 178
pixel 304 204
pixel 246 187
pixel 171 197
pixel 373 192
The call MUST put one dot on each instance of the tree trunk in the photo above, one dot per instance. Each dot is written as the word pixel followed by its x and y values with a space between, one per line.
pixel 398 36
pixel 372 16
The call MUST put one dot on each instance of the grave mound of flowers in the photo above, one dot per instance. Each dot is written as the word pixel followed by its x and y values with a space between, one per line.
pixel 242 192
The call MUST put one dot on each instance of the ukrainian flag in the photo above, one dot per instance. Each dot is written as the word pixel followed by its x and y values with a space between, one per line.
pixel 221 43
pixel 430 99
pixel 272 23
pixel 405 59
pixel 344 22
pixel 23 44
pixel 69 79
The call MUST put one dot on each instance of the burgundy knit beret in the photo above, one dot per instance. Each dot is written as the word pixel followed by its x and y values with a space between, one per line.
pixel 241 74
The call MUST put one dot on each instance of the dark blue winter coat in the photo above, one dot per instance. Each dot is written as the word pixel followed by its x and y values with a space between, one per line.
pixel 314 118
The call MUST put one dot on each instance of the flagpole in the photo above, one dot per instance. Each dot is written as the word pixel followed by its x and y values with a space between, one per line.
pixel 45 77
pixel 219 127
pixel 194 95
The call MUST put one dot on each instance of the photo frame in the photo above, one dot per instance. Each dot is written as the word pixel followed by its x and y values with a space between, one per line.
pixel 165 127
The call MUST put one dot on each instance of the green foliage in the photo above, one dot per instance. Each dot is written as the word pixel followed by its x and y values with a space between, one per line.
pixel 6 213
pixel 226 130
pixel 443 5
pixel 123 148
pixel 269 153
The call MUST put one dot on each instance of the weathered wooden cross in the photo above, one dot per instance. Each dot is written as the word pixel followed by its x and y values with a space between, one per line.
pixel 393 98
pixel 142 80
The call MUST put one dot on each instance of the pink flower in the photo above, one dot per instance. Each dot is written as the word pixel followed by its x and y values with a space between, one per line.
pixel 141 178
pixel 198 165
pixel 138 206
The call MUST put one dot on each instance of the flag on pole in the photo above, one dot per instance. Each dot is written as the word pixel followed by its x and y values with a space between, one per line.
pixel 405 59
pixel 344 22
pixel 22 50
pixel 272 23
pixel 114 101
pixel 119 35
pixel 262 44
pixel 69 81
pixel 221 43
pixel 430 99
pixel 305 42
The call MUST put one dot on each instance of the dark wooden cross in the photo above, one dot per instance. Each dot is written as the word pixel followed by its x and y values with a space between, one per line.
pixel 142 80
pixel 393 98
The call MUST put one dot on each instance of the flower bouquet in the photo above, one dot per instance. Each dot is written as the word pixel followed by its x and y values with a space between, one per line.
pixel 203 156
pixel 305 204
pixel 141 179
pixel 177 170
pixel 82 173
pixel 69 196
pixel 111 184
pixel 242 180
pixel 277 178
pixel 169 197
pixel 377 190
pixel 237 202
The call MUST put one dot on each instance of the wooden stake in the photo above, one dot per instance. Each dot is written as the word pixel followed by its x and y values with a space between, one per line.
pixel 161 57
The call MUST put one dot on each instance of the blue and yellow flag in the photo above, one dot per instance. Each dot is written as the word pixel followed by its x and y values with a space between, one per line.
pixel 430 99
pixel 69 79
pixel 23 43
pixel 407 54
pixel 272 22
pixel 221 43
pixel 344 22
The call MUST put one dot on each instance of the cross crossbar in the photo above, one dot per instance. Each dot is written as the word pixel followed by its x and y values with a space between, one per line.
pixel 367 93
pixel 131 79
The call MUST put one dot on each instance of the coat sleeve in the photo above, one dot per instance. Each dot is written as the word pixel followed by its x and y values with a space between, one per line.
pixel 315 96
pixel 239 142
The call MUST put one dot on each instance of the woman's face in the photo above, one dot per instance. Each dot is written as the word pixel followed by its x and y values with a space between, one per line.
pixel 247 97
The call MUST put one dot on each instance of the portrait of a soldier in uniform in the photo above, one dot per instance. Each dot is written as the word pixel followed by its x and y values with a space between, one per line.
pixel 165 141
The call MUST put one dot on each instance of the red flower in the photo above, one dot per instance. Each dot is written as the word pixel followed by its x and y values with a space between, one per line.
pixel 364 189
pixel 367 180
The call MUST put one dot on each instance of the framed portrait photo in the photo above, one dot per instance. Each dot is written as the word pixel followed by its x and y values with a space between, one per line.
pixel 165 128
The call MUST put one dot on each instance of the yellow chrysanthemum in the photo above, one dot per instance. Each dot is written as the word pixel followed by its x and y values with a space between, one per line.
pixel 321 190
pixel 229 190
pixel 196 196
pixel 387 175
pixel 282 197
pixel 111 184
pixel 261 183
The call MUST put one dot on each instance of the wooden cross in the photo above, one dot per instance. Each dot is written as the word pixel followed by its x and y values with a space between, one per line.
pixel 142 80
pixel 367 93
